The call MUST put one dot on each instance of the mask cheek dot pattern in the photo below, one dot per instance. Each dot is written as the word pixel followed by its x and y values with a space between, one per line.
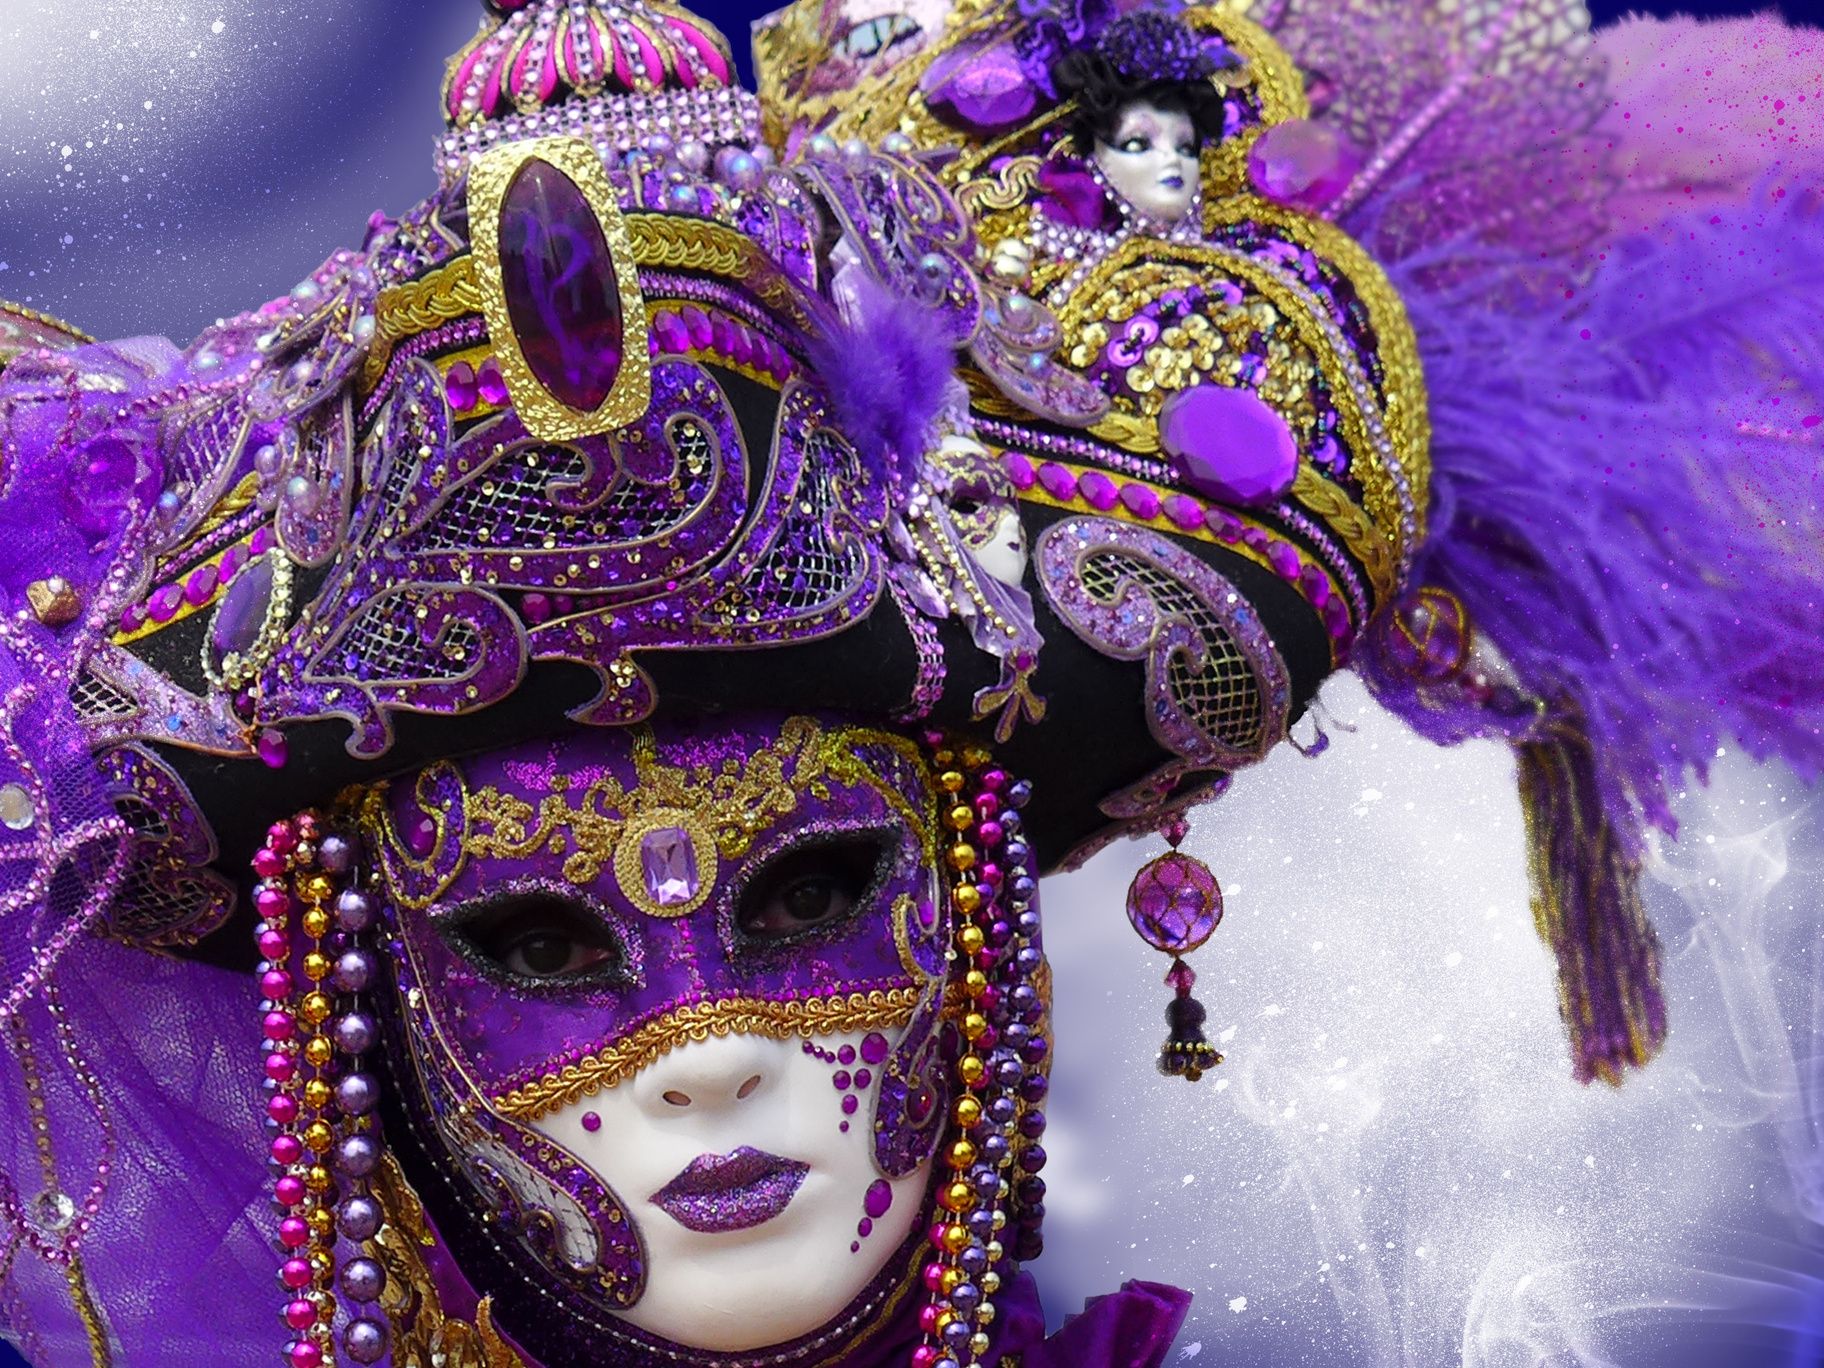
pixel 876 1202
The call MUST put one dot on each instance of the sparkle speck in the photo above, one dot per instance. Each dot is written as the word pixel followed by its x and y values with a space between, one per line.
pixel 1238 1304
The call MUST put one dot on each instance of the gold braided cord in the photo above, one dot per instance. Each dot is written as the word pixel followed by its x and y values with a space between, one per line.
pixel 446 294
pixel 1344 517
pixel 872 1011
pixel 661 241
pixel 1408 414
pixel 685 244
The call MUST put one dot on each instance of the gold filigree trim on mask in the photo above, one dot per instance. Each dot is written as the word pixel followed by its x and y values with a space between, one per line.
pixel 423 1336
pixel 874 1011
pixel 722 809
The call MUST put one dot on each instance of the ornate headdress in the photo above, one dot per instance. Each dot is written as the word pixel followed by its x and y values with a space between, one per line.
pixel 595 437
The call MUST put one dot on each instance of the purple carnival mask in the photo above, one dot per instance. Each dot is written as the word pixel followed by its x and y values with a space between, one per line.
pixel 570 914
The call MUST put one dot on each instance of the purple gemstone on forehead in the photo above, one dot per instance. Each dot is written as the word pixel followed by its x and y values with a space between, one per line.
pixel 560 285
pixel 668 863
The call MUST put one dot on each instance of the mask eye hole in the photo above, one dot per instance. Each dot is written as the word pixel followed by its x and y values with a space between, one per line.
pixel 803 890
pixel 540 937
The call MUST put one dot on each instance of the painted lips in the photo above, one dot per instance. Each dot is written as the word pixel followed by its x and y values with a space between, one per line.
pixel 720 1192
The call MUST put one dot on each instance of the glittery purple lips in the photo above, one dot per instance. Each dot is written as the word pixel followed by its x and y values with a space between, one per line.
pixel 720 1192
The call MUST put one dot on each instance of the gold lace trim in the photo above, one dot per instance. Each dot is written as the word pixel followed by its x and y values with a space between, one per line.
pixel 878 1010
pixel 423 1336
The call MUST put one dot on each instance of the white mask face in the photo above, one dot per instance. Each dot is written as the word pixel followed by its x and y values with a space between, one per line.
pixel 1152 161
pixel 749 1183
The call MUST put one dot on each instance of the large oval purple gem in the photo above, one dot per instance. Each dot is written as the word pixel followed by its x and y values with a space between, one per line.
pixel 559 280
pixel 1228 444
pixel 243 611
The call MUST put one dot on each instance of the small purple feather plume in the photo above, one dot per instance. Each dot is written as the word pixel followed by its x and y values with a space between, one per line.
pixel 1627 495
pixel 889 369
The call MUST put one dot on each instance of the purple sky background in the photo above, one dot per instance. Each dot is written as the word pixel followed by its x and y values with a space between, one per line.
pixel 161 166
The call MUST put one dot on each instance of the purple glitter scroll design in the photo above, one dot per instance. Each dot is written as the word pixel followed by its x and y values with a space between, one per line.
pixel 316 481
pixel 914 1097
pixel 418 620
pixel 807 565
pixel 915 239
pixel 1217 691
pixel 542 1196
pixel 784 222
pixel 421 851
pixel 380 637
pixel 169 898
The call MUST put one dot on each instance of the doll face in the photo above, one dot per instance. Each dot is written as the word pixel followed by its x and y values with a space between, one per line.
pixel 1152 161
pixel 706 964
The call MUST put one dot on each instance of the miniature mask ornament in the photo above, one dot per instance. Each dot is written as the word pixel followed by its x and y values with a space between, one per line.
pixel 671 1000
pixel 1151 161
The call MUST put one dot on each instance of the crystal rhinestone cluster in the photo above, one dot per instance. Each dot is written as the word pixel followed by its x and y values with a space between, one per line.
pixel 323 1137
pixel 993 1155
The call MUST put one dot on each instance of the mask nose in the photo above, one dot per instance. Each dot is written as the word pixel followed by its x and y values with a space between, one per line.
pixel 709 1077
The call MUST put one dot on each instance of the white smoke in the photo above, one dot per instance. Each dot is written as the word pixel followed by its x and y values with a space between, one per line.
pixel 1394 1167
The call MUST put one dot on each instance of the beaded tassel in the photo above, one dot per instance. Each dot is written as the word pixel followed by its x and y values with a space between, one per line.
pixel 992 1154
pixel 1175 904
pixel 319 1103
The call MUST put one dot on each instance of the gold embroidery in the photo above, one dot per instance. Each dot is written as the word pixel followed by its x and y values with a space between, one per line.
pixel 423 1336
pixel 1407 411
pixel 723 810
pixel 878 1010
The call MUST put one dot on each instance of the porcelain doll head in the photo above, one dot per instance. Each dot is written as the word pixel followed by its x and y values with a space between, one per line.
pixel 1145 107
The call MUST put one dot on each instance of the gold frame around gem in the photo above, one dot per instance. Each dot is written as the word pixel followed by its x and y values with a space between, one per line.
pixel 630 875
pixel 546 416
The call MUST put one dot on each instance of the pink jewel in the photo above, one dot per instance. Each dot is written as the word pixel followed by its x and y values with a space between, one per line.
pixel 592 1122
pixel 668 863
pixel 1302 162
pixel 459 387
pixel 491 383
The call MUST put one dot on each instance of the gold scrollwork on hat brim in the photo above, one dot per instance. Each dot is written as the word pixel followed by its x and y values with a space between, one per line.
pixel 881 1009
pixel 546 416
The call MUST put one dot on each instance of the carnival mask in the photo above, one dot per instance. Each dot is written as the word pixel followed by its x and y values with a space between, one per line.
pixel 671 998
pixel 1151 161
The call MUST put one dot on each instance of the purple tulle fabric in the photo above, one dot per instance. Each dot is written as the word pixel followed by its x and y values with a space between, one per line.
pixel 177 1257
pixel 1626 492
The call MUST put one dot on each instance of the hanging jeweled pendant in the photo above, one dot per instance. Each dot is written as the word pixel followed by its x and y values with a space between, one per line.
pixel 1175 904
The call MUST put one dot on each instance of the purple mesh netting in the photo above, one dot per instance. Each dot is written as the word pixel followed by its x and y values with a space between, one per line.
pixel 175 1262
